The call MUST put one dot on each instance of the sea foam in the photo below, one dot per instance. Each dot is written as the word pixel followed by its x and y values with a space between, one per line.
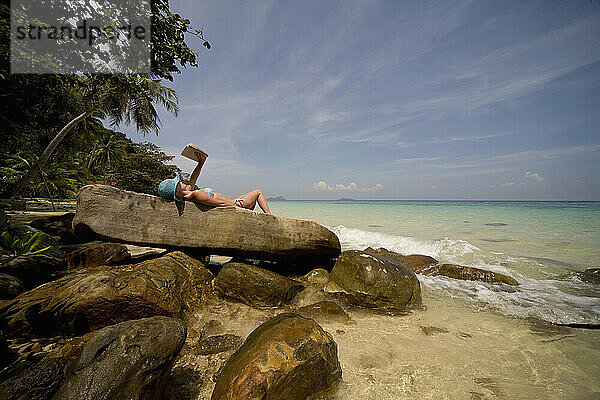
pixel 546 291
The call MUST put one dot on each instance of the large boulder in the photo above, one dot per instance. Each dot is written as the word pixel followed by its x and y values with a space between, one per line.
pixel 430 266
pixel 255 286
pixel 143 219
pixel 130 360
pixel 92 298
pixel 287 357
pixel 372 281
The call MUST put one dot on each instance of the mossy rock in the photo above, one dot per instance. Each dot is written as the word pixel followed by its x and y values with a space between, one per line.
pixel 373 281
pixel 93 298
pixel 287 357
pixel 474 274
pixel 255 286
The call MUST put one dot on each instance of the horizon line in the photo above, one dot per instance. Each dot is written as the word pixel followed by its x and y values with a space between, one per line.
pixel 352 199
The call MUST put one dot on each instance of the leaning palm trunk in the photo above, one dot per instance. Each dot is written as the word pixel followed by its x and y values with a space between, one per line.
pixel 119 98
pixel 33 171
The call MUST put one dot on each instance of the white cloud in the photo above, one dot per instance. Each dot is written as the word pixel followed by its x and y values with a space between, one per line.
pixel 322 186
pixel 535 176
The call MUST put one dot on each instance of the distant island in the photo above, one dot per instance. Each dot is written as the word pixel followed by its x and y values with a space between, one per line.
pixel 278 198
pixel 346 199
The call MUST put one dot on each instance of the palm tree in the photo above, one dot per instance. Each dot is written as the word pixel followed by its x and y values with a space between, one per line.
pixel 109 147
pixel 125 99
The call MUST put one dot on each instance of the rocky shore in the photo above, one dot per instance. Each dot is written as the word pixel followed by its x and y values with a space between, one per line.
pixel 104 316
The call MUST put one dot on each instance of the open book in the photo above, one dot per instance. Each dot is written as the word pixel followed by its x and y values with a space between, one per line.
pixel 194 152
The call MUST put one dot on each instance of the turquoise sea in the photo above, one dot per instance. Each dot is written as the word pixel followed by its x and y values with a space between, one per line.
pixel 541 244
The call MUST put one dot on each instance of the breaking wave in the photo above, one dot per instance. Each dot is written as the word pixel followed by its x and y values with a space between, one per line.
pixel 548 290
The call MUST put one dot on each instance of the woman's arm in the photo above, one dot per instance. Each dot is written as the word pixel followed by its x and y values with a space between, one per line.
pixel 195 174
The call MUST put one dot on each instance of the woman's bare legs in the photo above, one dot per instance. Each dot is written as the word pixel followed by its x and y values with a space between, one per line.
pixel 256 196
pixel 249 199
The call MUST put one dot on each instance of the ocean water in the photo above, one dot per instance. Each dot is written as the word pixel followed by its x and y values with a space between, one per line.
pixel 470 340
pixel 542 245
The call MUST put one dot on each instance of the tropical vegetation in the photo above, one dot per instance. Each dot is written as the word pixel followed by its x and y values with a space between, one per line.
pixel 31 243
pixel 59 132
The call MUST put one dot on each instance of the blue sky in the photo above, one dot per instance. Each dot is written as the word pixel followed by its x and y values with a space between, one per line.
pixel 393 100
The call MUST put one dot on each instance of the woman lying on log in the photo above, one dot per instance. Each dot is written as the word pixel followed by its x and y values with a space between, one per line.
pixel 179 191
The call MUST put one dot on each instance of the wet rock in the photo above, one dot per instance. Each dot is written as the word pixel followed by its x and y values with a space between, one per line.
pixel 34 270
pixel 217 344
pixel 97 254
pixel 142 219
pixel 55 224
pixel 373 281
pixel 426 265
pixel 324 311
pixel 130 360
pixel 255 286
pixel 416 262
pixel 40 380
pixel 287 357
pixel 317 276
pixel 474 274
pixel 10 287
pixel 92 298
pixel 590 275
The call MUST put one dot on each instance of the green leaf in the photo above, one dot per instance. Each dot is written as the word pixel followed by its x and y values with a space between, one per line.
pixel 40 251
pixel 29 239
pixel 37 243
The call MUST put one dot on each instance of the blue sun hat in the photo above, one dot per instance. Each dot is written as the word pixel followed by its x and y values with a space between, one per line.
pixel 167 188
